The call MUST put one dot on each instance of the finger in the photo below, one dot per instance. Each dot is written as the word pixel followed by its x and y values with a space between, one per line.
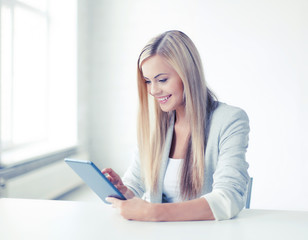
pixel 109 199
pixel 113 174
pixel 113 201
pixel 106 170
pixel 110 172
pixel 109 178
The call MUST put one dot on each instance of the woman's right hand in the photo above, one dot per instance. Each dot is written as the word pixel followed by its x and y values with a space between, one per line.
pixel 116 180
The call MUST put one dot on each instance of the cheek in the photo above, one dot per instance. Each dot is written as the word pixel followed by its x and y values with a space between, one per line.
pixel 148 88
pixel 178 89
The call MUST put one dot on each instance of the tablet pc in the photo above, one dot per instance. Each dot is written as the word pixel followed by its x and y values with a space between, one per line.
pixel 93 177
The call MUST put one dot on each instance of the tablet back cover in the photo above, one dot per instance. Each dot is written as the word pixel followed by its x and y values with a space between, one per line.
pixel 93 177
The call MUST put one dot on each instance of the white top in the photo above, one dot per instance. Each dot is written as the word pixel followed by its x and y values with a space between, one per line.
pixel 171 186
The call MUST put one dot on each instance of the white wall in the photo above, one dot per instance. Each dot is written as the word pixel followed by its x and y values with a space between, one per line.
pixel 255 57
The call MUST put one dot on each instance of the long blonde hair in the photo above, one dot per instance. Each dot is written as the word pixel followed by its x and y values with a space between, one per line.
pixel 180 52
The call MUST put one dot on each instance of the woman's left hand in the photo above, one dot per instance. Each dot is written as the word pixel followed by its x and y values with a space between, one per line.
pixel 133 209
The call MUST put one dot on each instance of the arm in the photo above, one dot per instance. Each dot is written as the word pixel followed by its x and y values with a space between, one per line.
pixel 132 178
pixel 138 209
pixel 197 209
pixel 231 177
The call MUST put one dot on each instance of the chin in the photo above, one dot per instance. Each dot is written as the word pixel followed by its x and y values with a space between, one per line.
pixel 166 109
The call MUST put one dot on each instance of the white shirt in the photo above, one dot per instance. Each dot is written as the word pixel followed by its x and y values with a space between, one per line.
pixel 171 186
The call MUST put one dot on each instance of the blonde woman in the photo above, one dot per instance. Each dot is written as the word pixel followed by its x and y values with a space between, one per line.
pixel 190 163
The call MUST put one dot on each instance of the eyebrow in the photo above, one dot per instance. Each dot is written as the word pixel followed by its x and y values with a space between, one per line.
pixel 156 75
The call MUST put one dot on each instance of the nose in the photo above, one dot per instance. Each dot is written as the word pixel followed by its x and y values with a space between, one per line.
pixel 154 89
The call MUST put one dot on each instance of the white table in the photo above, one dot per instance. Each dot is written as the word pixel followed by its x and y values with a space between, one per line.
pixel 46 219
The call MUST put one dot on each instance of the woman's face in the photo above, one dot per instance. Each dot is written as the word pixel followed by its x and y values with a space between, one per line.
pixel 163 83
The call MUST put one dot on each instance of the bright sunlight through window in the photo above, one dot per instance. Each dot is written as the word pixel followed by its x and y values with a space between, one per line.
pixel 38 78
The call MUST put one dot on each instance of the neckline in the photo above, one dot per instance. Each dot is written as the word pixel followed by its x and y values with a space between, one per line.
pixel 175 159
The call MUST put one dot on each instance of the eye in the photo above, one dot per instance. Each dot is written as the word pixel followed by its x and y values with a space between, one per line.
pixel 147 81
pixel 163 80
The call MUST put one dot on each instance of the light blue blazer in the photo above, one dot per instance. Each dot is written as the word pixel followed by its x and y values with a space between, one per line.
pixel 226 175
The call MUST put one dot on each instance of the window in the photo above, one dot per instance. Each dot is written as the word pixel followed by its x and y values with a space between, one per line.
pixel 38 78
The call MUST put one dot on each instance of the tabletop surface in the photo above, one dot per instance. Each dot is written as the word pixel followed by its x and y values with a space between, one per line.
pixel 50 219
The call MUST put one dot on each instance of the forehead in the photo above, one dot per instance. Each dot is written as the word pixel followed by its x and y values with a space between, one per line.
pixel 156 65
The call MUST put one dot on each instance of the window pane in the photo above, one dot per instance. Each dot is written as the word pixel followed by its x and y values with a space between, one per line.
pixel 38 79
pixel 30 76
pixel 39 4
pixel 6 70
pixel 63 84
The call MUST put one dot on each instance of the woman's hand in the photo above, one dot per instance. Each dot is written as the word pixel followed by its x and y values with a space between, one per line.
pixel 134 209
pixel 115 179
pixel 140 210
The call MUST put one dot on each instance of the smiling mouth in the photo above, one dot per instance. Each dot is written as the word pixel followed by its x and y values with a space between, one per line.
pixel 164 99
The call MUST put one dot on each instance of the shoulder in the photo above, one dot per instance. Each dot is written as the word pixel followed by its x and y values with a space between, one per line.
pixel 226 117
pixel 225 113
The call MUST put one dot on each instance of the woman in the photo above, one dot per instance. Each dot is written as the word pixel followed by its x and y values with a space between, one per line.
pixel 190 163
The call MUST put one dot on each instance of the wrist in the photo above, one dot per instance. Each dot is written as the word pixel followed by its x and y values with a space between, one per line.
pixel 128 194
pixel 156 212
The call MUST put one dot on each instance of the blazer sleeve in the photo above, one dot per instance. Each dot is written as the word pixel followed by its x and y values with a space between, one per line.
pixel 230 178
pixel 132 177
